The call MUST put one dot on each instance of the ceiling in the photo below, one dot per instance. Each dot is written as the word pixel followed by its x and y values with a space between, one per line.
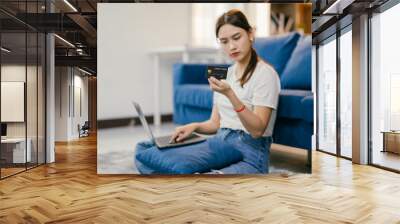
pixel 76 22
pixel 329 16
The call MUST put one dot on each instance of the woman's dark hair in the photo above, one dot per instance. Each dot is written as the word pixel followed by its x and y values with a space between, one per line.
pixel 236 18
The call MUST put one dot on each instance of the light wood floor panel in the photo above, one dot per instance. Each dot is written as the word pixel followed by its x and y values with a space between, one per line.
pixel 70 191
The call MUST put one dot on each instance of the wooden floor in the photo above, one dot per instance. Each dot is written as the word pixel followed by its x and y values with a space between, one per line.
pixel 387 159
pixel 10 171
pixel 70 191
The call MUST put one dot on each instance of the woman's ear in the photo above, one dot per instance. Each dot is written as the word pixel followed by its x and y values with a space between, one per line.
pixel 252 34
pixel 251 38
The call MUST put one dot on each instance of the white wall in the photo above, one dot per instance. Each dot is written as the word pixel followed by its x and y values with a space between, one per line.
pixel 205 15
pixel 126 34
pixel 66 121
pixel 61 103
pixel 80 82
pixel 15 73
pixel 12 73
pixel 33 126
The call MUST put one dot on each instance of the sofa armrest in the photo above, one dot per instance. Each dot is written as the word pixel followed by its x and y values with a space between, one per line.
pixel 185 73
pixel 307 108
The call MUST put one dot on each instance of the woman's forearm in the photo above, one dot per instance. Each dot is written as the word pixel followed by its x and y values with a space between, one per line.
pixel 206 127
pixel 249 119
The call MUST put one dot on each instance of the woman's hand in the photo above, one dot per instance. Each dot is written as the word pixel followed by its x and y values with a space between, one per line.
pixel 220 86
pixel 182 132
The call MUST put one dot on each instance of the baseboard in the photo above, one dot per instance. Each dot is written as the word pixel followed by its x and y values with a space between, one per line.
pixel 122 122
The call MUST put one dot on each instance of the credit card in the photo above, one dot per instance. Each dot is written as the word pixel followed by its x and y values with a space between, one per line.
pixel 217 72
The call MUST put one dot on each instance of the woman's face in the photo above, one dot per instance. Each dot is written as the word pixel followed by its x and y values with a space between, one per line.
pixel 235 41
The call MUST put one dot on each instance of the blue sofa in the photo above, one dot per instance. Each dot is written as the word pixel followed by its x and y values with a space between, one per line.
pixel 290 55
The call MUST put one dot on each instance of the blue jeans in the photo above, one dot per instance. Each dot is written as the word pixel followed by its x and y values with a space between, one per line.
pixel 255 152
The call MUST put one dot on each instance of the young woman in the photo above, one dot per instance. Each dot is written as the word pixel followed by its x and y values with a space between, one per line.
pixel 245 104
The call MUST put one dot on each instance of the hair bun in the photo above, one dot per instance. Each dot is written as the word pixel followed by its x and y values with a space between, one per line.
pixel 225 17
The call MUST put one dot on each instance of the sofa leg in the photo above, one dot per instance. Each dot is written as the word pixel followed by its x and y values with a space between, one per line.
pixel 309 161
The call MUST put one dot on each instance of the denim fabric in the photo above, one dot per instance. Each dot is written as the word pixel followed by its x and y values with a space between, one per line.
pixel 141 146
pixel 255 152
pixel 193 158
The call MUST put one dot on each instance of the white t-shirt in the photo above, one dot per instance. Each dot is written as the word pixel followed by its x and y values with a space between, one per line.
pixel 262 89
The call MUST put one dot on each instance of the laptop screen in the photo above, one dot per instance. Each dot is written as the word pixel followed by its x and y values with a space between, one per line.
pixel 143 121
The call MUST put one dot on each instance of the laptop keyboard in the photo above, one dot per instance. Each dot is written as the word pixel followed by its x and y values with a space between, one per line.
pixel 166 139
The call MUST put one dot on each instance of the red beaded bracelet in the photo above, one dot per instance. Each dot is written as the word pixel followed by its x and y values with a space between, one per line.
pixel 240 109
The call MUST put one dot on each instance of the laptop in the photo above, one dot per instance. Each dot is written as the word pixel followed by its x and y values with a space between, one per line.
pixel 164 141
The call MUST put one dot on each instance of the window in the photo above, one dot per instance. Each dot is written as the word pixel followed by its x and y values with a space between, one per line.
pixel 327 96
pixel 22 76
pixel 385 87
pixel 394 119
pixel 346 93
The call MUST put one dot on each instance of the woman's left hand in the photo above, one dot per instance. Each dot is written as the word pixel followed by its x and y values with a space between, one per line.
pixel 220 86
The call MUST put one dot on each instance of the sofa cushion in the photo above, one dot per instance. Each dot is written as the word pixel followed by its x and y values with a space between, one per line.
pixel 184 114
pixel 290 103
pixel 194 95
pixel 307 108
pixel 191 73
pixel 276 50
pixel 200 157
pixel 297 74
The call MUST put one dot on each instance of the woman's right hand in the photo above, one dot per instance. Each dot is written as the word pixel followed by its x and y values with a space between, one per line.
pixel 182 132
